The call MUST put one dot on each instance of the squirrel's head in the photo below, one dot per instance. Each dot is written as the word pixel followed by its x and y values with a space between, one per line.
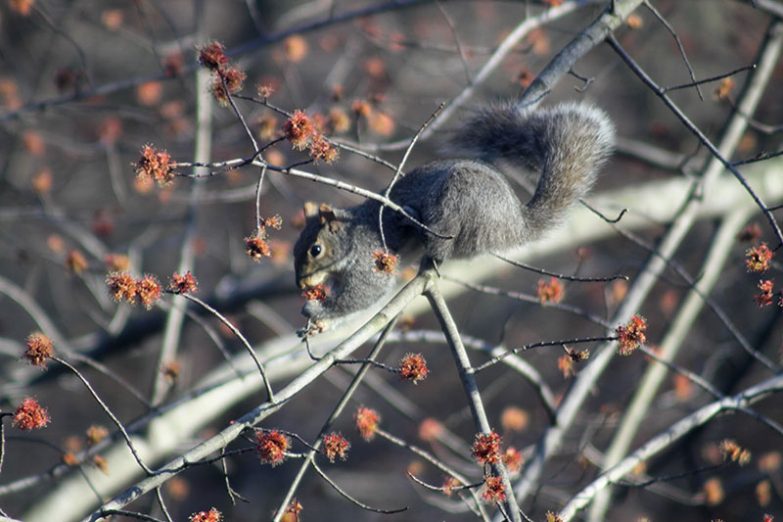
pixel 322 246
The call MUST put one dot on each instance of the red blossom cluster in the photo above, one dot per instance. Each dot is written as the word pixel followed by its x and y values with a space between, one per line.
pixel 494 490
pixel 766 293
pixel 272 446
pixel 183 284
pixel 734 452
pixel 317 292
pixel 486 447
pixel 757 258
pixel 551 291
pixel 413 367
pixel 449 485
pixel 257 246
pixel 724 89
pixel 367 421
pixel 123 286
pixel 39 349
pixel 566 362
pixel 632 335
pixel 117 262
pixel 304 133
pixel 155 165
pixel 566 366
pixel 265 90
pixel 226 80
pixel 95 434
pixel 213 515
pixel 335 445
pixel 30 415
pixel 149 290
pixel 212 56
pixel 513 459
pixel 274 222
pixel 76 262
pixel 385 261
pixel 292 512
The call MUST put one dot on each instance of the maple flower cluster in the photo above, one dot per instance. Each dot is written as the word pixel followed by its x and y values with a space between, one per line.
pixel 257 246
pixel 303 132
pixel 734 452
pixel 317 292
pixel 494 490
pixel 632 334
pixel 757 258
pixel 272 446
pixel 123 286
pixel 213 515
pixel 486 448
pixel 226 80
pixel 292 511
pixel 154 164
pixel 413 367
pixel 551 291
pixel 367 421
pixel 30 415
pixel 335 446
pixel 566 363
pixel 39 349
pixel 385 261
pixel 183 284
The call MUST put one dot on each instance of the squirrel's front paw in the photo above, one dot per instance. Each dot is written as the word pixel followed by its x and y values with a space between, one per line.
pixel 313 327
pixel 313 309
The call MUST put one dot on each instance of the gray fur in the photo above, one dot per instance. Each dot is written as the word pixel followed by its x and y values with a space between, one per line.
pixel 465 198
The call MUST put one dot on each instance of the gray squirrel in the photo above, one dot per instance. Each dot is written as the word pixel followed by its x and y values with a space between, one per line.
pixel 466 199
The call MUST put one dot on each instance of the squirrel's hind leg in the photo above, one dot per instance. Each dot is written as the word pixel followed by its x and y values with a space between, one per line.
pixel 478 208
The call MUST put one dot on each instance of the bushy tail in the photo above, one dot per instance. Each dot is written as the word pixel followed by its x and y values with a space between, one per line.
pixel 567 144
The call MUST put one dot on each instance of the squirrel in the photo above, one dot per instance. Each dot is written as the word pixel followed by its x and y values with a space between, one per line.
pixel 467 202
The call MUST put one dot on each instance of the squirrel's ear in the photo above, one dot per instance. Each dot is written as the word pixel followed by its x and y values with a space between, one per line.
pixel 328 217
pixel 310 209
pixel 326 213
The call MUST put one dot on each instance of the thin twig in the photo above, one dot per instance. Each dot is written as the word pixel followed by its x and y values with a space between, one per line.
pixel 241 337
pixel 469 385
pixel 162 504
pixel 264 410
pixel 398 172
pixel 351 499
pixel 676 37
pixel 540 344
pixel 130 514
pixel 698 133
pixel 710 79
pixel 561 276
pixel 338 409
pixel 665 439
pixel 108 412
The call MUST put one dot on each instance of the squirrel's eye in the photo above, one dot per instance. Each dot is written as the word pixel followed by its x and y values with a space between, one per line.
pixel 316 250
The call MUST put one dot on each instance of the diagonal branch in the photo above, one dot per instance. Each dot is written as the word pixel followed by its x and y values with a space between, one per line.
pixel 467 376
pixel 662 441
